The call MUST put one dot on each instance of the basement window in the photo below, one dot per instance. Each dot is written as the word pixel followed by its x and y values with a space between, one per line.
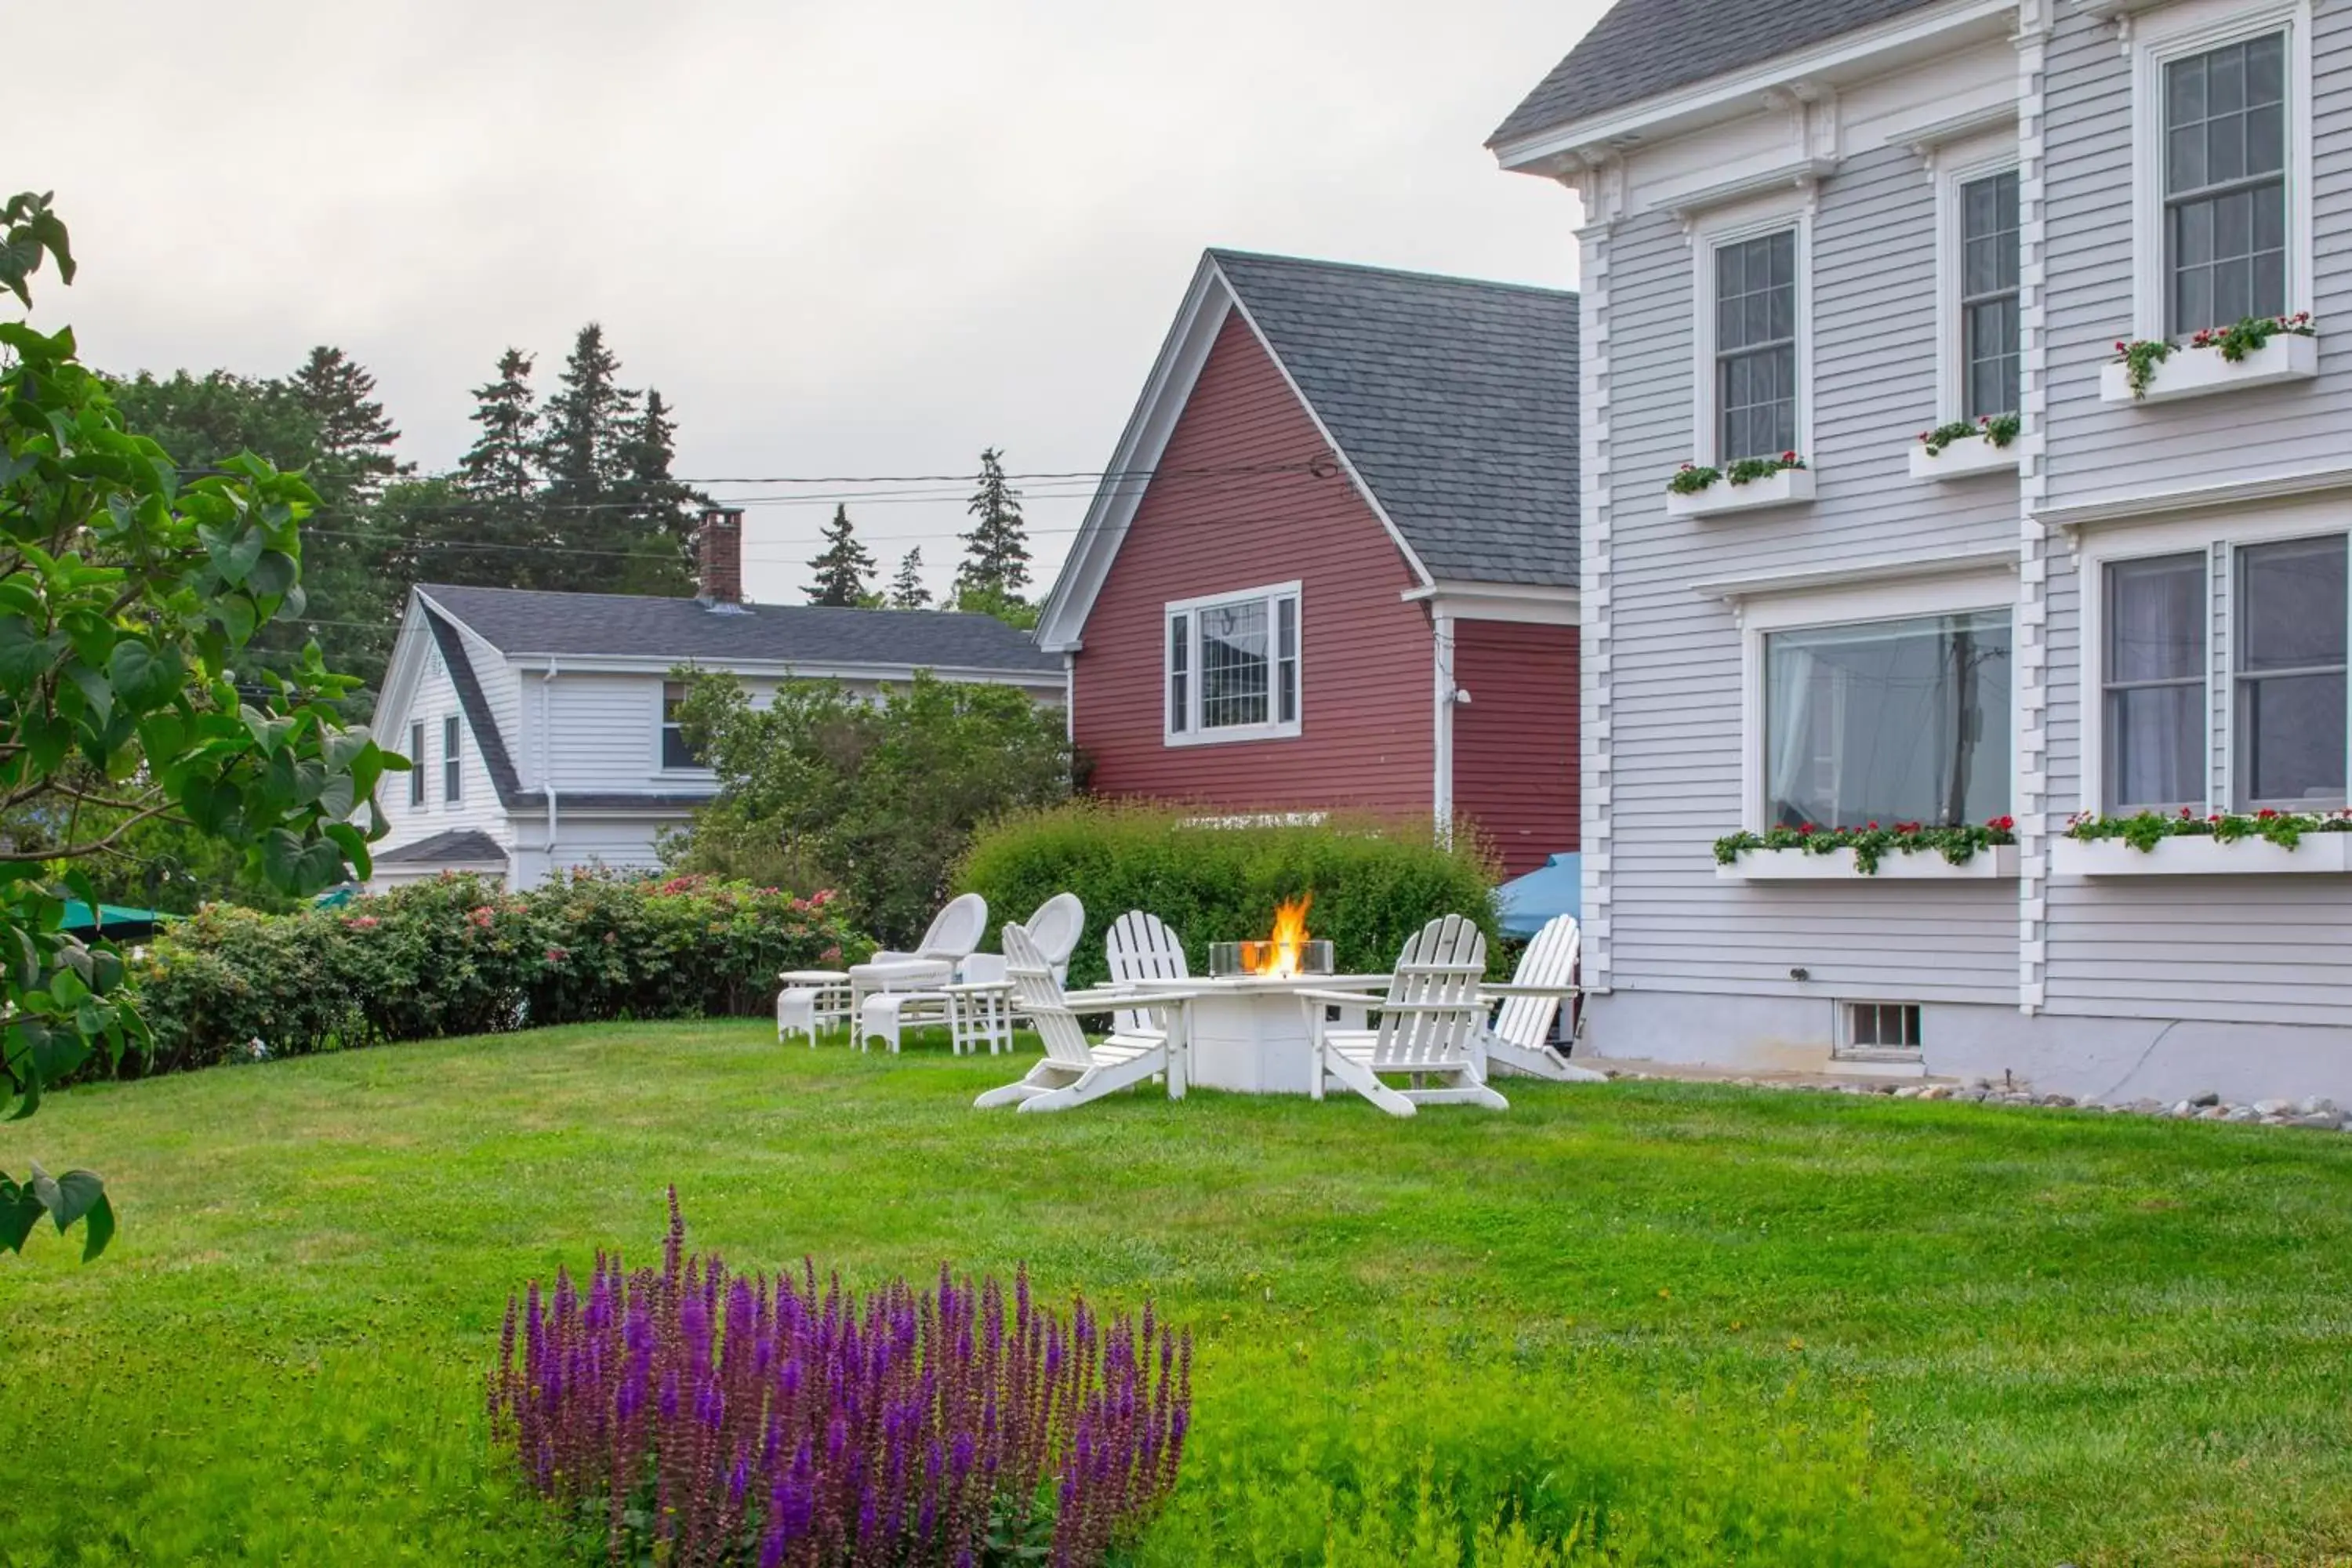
pixel 1881 1025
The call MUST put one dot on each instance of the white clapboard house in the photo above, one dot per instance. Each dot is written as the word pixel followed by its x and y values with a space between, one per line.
pixel 542 724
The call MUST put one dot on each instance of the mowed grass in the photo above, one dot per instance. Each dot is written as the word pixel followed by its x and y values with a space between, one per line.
pixel 2035 1337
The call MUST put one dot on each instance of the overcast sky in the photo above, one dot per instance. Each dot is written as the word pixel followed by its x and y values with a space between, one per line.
pixel 855 240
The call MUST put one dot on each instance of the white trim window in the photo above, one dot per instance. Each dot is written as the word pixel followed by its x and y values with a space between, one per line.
pixel 416 764
pixel 2219 672
pixel 1232 669
pixel 1753 309
pixel 2223 217
pixel 1988 300
pixel 677 754
pixel 453 772
pixel 1888 721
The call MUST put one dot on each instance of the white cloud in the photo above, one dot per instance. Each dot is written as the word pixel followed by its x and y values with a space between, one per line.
pixel 862 240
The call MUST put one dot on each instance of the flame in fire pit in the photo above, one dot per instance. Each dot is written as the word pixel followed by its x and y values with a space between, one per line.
pixel 1283 956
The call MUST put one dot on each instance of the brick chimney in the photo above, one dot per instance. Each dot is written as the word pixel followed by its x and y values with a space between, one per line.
pixel 721 538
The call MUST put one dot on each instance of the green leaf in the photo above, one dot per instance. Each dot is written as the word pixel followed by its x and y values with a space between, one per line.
pixel 78 1191
pixel 20 1211
pixel 281 859
pixel 23 656
pixel 100 1229
pixel 234 553
pixel 96 690
pixel 145 675
pixel 273 573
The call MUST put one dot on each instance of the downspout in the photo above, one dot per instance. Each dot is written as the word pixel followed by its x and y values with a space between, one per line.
pixel 1442 723
pixel 1070 698
pixel 547 756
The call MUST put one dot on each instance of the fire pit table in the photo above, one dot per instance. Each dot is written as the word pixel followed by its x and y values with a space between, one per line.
pixel 1248 1033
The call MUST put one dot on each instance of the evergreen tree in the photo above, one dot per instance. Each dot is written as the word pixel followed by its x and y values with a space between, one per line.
pixel 996 550
pixel 843 567
pixel 906 590
pixel 502 465
pixel 583 422
pixel 654 513
pixel 355 439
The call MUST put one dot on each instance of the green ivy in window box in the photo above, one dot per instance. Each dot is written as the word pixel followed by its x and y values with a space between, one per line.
pixel 1692 477
pixel 1957 843
pixel 1994 430
pixel 2146 829
pixel 2141 356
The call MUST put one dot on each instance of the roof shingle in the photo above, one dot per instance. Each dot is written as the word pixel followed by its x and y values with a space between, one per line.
pixel 1455 399
pixel 1643 48
pixel 627 626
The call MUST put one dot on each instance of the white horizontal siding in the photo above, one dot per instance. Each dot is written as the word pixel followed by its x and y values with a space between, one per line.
pixel 435 699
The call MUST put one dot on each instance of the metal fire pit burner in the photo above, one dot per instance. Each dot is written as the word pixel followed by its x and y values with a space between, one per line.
pixel 1227 959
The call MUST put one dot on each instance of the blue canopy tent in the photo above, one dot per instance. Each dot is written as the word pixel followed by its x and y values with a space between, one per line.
pixel 1556 888
pixel 117 922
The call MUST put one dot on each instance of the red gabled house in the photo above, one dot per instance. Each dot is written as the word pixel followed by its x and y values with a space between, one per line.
pixel 1334 563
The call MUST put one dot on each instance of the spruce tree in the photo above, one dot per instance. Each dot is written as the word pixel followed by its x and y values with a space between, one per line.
pixel 843 566
pixel 583 424
pixel 654 513
pixel 906 590
pixel 355 439
pixel 502 465
pixel 996 550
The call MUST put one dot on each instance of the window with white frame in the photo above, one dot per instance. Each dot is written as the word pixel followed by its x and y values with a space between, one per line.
pixel 452 771
pixel 677 753
pixel 1988 295
pixel 1756 331
pixel 2279 694
pixel 2225 185
pixel 2289 718
pixel 2153 684
pixel 1233 666
pixel 416 762
pixel 1888 722
pixel 2223 214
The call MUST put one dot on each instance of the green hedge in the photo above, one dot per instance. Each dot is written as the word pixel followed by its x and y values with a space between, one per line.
pixel 1375 883
pixel 456 956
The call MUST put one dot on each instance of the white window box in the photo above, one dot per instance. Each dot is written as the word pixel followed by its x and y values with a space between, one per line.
pixel 1997 863
pixel 2194 372
pixel 2319 853
pixel 1787 488
pixel 1969 455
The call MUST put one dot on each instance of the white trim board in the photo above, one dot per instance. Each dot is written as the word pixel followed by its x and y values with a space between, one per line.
pixel 2135 506
pixel 1792 211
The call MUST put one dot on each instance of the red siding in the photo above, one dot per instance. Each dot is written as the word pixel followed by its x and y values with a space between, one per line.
pixel 1365 653
pixel 1515 757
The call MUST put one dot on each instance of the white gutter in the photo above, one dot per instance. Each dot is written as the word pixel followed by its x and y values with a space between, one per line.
pixel 1442 734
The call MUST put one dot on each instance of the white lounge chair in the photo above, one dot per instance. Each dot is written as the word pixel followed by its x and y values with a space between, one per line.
pixel 1429 1028
pixel 954 936
pixel 1516 1039
pixel 1074 1071
pixel 1140 946
pixel 1055 928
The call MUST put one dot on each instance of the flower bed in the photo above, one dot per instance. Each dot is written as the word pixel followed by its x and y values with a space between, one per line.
pixel 699 1419
pixel 1957 844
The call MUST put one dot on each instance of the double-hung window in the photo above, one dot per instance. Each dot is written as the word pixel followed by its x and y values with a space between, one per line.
pixel 1989 288
pixel 1233 666
pixel 2153 684
pixel 2285 624
pixel 2290 685
pixel 452 769
pixel 1888 722
pixel 2225 185
pixel 677 752
pixel 1756 327
pixel 416 762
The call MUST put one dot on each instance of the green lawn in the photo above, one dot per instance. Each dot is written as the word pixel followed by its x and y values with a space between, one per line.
pixel 1901 1331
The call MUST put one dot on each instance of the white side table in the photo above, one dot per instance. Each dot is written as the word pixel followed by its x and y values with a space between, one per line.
pixel 829 1004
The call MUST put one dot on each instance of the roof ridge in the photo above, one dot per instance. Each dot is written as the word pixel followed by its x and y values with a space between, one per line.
pixel 685 599
pixel 1222 253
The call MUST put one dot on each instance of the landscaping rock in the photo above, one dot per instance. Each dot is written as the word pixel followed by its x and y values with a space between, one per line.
pixel 2243 1115
pixel 2183 1109
pixel 2146 1107
pixel 2316 1105
pixel 2214 1114
pixel 2059 1101
pixel 2274 1107
pixel 2207 1096
pixel 2319 1121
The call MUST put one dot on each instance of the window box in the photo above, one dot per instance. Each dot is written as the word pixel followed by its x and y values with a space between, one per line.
pixel 1787 488
pixel 2194 372
pixel 1974 455
pixel 1995 863
pixel 2319 853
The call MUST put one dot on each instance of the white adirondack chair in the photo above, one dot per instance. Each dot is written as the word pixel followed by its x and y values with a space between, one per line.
pixel 1074 1071
pixel 1428 1028
pixel 954 936
pixel 1515 1038
pixel 981 1010
pixel 1140 946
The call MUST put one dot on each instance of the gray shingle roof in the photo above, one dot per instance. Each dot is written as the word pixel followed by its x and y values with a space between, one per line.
pixel 1643 48
pixel 1455 399
pixel 626 625
pixel 460 846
